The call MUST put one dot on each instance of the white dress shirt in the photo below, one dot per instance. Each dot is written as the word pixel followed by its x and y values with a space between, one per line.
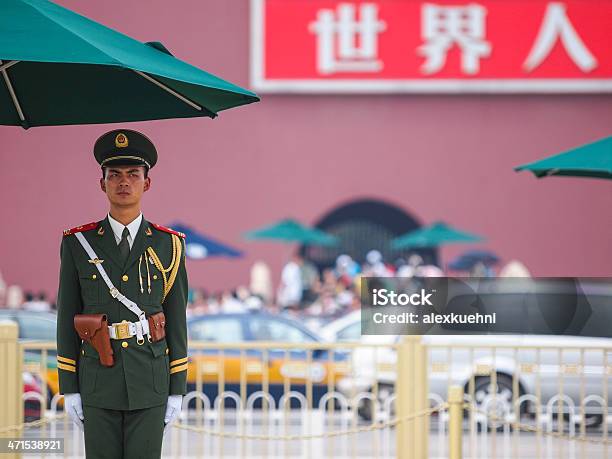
pixel 132 227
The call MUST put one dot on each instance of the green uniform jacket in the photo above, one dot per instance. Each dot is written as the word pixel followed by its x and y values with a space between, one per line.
pixel 143 375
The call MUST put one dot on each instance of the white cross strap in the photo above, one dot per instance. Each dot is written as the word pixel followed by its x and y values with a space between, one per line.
pixel 115 293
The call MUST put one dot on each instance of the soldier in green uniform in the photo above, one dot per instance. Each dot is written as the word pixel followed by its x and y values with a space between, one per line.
pixel 124 407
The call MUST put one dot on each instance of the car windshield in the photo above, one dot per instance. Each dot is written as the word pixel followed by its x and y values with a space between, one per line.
pixel 32 327
pixel 228 330
pixel 37 328
pixel 276 330
pixel 351 332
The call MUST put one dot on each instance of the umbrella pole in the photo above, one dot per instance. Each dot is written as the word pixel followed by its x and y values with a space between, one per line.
pixel 7 80
pixel 172 91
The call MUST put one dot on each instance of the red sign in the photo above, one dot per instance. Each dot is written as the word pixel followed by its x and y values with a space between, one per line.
pixel 535 46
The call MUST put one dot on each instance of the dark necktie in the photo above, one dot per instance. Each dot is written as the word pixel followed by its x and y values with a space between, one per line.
pixel 124 245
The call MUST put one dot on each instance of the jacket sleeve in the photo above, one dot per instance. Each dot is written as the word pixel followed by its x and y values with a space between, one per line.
pixel 175 310
pixel 69 303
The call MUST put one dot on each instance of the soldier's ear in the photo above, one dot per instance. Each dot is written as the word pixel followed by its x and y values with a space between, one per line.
pixel 147 184
pixel 102 185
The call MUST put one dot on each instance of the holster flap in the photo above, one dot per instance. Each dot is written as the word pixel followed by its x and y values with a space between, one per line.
pixel 87 325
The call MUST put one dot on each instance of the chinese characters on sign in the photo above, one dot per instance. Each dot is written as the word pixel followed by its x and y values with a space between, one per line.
pixel 340 36
pixel 445 26
pixel 414 46
pixel 557 26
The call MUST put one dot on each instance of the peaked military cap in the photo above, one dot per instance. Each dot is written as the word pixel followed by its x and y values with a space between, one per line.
pixel 124 147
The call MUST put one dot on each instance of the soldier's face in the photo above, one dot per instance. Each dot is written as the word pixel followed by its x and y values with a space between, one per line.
pixel 124 185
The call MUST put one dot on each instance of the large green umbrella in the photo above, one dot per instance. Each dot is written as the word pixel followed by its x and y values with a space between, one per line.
pixel 590 160
pixel 59 67
pixel 434 235
pixel 292 231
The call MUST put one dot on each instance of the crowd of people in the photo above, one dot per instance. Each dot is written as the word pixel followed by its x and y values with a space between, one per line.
pixel 303 288
pixel 13 297
pixel 331 292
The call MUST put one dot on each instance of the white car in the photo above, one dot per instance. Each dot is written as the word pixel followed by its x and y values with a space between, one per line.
pixel 455 359
pixel 345 329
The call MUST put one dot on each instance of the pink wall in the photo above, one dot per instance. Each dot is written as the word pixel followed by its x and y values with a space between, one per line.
pixel 438 157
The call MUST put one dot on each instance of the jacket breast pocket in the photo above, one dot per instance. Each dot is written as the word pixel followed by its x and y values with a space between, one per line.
pixel 92 286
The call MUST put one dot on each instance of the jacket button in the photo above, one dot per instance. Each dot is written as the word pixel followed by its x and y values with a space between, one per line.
pixel 82 352
pixel 125 278
pixel 124 344
pixel 94 277
pixel 166 351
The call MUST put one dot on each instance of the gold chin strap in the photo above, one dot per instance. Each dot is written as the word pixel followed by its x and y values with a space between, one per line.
pixel 113 158
pixel 177 249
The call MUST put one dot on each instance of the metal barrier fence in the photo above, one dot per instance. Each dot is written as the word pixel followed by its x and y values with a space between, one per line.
pixel 415 398
pixel 559 395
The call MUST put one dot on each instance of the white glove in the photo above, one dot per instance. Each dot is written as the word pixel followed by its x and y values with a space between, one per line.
pixel 74 407
pixel 173 409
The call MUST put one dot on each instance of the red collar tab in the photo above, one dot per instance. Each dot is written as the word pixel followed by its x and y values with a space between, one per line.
pixel 168 230
pixel 80 229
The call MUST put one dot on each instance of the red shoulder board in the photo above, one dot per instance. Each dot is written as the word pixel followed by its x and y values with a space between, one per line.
pixel 80 229
pixel 168 230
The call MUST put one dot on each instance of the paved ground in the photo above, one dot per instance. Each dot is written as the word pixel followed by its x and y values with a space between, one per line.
pixel 380 444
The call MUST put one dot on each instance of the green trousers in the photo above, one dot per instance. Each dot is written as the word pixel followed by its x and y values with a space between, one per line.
pixel 111 434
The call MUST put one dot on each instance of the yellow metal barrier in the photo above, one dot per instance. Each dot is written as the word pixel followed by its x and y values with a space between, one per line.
pixel 11 384
pixel 242 372
pixel 455 423
pixel 412 435
pixel 10 376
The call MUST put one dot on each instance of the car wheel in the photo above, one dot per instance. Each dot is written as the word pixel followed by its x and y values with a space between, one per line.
pixel 31 411
pixel 365 410
pixel 502 404
pixel 592 421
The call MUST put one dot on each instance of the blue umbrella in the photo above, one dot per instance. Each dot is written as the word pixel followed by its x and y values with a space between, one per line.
pixel 469 259
pixel 199 246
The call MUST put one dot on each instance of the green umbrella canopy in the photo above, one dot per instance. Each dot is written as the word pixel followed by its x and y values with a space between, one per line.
pixel 59 67
pixel 292 231
pixel 437 234
pixel 590 160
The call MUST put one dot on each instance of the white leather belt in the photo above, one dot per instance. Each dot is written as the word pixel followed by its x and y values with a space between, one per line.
pixel 125 329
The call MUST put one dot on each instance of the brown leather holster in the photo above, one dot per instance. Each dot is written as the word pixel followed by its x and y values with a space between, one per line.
pixel 157 326
pixel 93 328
